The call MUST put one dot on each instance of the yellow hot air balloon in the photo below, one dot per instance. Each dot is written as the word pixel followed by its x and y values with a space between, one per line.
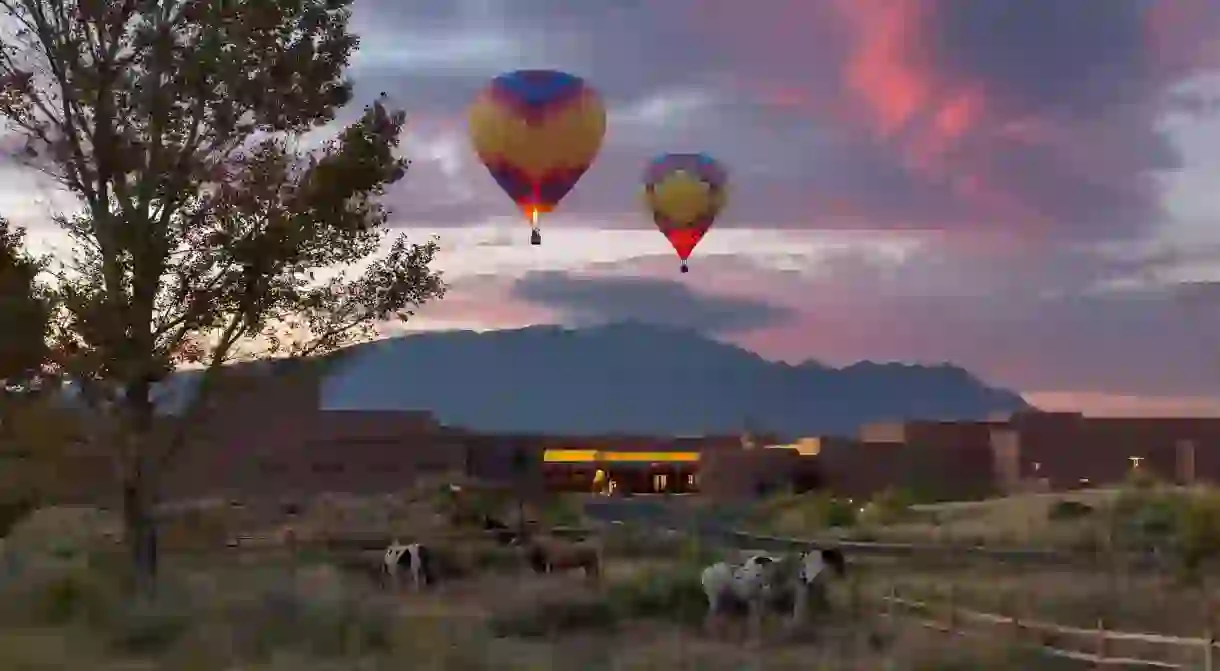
pixel 685 193
pixel 537 131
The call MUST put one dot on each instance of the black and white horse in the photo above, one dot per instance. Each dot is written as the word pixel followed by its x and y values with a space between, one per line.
pixel 764 582
pixel 414 558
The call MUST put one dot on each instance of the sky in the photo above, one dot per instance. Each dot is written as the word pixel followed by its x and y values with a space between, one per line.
pixel 1025 188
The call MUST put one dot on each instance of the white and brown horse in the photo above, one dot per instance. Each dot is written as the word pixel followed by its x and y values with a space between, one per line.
pixel 767 583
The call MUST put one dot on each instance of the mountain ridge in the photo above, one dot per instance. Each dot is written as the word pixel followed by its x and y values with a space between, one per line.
pixel 641 378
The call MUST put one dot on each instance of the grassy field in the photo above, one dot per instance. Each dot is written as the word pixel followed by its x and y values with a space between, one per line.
pixel 64 604
pixel 64 599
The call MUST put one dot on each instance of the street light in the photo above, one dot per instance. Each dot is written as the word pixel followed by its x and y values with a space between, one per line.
pixel 1135 462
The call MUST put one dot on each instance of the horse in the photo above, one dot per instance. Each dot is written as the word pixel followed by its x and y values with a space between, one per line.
pixel 419 562
pixel 548 554
pixel 766 582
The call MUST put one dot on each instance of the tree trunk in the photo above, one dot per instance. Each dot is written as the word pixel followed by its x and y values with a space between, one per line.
pixel 140 529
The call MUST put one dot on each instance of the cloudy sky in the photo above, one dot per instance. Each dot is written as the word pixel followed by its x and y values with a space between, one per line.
pixel 1027 188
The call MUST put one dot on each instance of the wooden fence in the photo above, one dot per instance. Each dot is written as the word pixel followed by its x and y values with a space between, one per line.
pixel 954 618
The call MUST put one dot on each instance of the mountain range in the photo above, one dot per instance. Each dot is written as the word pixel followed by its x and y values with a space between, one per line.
pixel 633 378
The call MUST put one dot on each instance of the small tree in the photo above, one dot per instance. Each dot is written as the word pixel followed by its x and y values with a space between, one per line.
pixel 27 441
pixel 25 313
pixel 204 224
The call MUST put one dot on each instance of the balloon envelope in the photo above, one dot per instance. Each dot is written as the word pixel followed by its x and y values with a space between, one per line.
pixel 685 192
pixel 537 131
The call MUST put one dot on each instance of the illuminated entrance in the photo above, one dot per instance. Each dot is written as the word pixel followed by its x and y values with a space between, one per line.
pixel 611 472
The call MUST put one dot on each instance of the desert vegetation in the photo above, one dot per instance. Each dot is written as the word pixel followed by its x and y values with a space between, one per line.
pixel 65 590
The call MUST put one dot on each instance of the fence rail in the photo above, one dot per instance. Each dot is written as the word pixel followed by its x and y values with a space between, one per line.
pixel 1032 556
pixel 1100 636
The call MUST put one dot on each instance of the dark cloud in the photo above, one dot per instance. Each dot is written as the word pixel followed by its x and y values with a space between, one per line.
pixel 935 114
pixel 596 300
pixel 1032 320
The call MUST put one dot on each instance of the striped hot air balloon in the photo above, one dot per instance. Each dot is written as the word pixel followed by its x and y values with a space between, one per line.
pixel 685 193
pixel 537 131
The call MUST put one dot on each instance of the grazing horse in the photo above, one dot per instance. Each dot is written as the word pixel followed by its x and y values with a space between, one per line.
pixel 549 554
pixel 765 582
pixel 418 562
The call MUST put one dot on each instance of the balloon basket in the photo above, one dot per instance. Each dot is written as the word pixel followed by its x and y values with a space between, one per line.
pixel 535 238
pixel 685 269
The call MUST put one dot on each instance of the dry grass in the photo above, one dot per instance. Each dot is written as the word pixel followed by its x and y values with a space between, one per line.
pixel 62 602
pixel 262 612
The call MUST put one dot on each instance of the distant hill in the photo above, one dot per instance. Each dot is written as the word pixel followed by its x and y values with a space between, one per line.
pixel 639 379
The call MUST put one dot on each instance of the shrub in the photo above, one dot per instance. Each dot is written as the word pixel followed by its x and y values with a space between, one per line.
pixel 562 511
pixel 1198 537
pixel 1141 479
pixel 58 595
pixel 147 627
pixel 1068 510
pixel 281 616
pixel 890 506
pixel 802 513
pixel 673 594
pixel 14 511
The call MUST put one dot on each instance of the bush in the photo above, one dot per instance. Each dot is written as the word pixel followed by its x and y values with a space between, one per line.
pixel 281 617
pixel 14 511
pixel 147 627
pixel 803 513
pixel 674 594
pixel 1141 479
pixel 58 595
pixel 890 506
pixel 1068 510
pixel 562 511
pixel 1198 537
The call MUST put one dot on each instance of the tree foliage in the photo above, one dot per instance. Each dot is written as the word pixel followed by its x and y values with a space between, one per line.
pixel 25 312
pixel 208 228
pixel 205 225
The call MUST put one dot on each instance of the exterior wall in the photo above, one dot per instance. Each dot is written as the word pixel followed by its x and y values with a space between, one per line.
pixel 743 474
pixel 951 435
pixel 268 437
pixel 1097 451
pixel 883 432
pixel 928 471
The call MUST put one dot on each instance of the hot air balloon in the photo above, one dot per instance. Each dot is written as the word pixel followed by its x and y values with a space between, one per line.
pixel 685 192
pixel 537 131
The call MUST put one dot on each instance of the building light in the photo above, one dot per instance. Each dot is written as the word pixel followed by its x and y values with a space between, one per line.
pixel 589 456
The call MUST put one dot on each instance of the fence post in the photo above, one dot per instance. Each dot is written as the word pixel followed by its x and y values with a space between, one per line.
pixel 1209 647
pixel 857 609
pixel 1101 639
pixel 1014 611
pixel 951 604
pixel 1209 632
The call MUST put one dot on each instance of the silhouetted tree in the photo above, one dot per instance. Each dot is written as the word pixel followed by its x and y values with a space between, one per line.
pixel 204 223
pixel 25 312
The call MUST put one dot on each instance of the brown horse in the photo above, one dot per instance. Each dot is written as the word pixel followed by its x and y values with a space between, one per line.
pixel 546 554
